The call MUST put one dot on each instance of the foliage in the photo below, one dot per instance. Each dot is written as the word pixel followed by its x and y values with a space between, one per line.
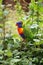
pixel 13 51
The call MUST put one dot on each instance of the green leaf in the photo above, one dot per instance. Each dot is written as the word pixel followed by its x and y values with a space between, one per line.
pixel 0 1
pixel 15 60
pixel 1 52
pixel 8 53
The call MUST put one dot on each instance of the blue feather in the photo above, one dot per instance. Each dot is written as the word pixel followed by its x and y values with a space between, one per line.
pixel 22 35
pixel 19 24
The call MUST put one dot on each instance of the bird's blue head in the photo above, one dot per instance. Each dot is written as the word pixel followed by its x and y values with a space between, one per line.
pixel 19 24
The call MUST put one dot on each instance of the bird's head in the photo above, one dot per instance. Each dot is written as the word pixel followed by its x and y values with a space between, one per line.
pixel 19 24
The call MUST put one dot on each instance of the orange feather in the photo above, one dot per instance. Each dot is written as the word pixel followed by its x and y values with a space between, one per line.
pixel 20 30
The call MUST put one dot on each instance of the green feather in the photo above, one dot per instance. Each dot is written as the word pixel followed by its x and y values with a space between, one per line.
pixel 28 33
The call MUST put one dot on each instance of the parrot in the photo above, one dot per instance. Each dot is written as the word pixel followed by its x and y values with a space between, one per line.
pixel 20 29
pixel 24 31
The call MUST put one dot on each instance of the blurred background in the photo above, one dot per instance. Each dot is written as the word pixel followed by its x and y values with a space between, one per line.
pixel 13 50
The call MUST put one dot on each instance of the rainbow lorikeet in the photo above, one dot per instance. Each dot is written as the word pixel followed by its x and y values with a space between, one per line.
pixel 24 31
pixel 20 29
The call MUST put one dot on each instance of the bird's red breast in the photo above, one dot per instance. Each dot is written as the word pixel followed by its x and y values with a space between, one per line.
pixel 20 30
